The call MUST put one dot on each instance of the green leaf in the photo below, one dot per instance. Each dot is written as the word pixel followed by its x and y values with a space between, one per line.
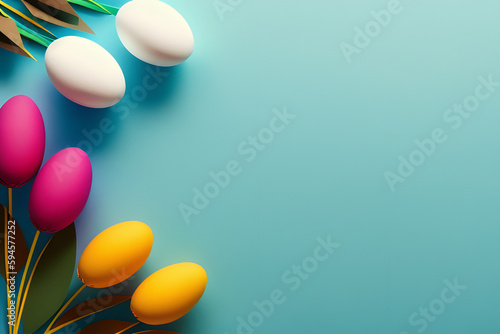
pixel 51 279
pixel 17 240
pixel 87 308
pixel 96 6
pixel 99 5
pixel 33 35
pixel 107 327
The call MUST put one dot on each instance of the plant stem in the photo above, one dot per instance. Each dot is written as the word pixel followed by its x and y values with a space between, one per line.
pixel 48 331
pixel 26 268
pixel 10 202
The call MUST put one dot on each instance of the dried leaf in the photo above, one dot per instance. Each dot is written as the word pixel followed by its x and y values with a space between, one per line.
pixel 87 308
pixel 17 240
pixel 58 12
pixel 107 327
pixel 51 279
pixel 53 8
pixel 12 9
pixel 10 38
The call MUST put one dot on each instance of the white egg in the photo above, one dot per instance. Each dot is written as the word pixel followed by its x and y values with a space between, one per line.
pixel 154 32
pixel 84 72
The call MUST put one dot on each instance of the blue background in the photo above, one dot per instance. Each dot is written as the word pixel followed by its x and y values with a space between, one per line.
pixel 322 176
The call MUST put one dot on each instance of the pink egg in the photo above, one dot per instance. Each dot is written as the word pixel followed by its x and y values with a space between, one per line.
pixel 60 190
pixel 22 141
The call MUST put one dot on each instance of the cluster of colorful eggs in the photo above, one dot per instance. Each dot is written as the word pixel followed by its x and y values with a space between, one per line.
pixel 58 196
pixel 119 251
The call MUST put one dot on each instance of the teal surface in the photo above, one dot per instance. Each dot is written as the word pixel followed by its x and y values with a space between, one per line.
pixel 371 208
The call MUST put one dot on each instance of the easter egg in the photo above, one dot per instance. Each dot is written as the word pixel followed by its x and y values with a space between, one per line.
pixel 22 141
pixel 115 254
pixel 154 32
pixel 169 293
pixel 60 190
pixel 84 72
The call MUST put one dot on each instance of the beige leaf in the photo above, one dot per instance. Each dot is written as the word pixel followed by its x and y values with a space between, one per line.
pixel 58 12
pixel 10 39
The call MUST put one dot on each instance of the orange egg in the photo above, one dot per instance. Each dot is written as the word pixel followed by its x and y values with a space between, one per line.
pixel 169 293
pixel 115 254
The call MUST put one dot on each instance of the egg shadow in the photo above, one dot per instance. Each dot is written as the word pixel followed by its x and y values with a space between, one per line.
pixel 165 92
pixel 186 323
pixel 87 221
pixel 149 86
pixel 73 123
pixel 8 60
pixel 13 62
pixel 174 84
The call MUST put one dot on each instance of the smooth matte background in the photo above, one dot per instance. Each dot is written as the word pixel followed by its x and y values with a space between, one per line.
pixel 322 176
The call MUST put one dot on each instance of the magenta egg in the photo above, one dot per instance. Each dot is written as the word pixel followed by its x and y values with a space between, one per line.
pixel 22 141
pixel 60 190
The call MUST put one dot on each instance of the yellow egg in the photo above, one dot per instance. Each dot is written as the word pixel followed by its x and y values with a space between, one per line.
pixel 115 254
pixel 169 293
